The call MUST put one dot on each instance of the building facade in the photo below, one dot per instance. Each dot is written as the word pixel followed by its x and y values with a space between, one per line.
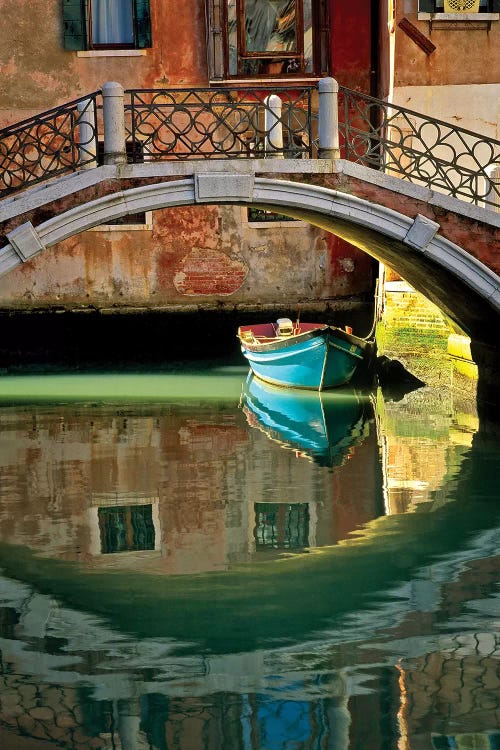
pixel 189 257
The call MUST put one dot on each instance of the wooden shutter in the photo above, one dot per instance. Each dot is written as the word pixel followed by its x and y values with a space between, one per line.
pixel 214 15
pixel 142 23
pixel 495 6
pixel 75 24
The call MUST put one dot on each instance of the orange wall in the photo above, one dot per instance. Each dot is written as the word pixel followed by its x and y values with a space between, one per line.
pixel 149 268
pixel 465 54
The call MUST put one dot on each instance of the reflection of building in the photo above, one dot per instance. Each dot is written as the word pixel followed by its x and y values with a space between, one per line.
pixel 282 526
pixel 180 491
pixel 67 677
pixel 416 448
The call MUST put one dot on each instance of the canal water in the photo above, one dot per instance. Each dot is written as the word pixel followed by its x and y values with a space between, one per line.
pixel 193 560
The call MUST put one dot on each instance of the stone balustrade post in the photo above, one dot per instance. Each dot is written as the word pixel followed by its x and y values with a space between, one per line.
pixel 87 134
pixel 114 123
pixel 492 192
pixel 328 119
pixel 273 144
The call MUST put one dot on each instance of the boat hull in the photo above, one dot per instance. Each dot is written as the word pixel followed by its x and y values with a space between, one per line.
pixel 317 360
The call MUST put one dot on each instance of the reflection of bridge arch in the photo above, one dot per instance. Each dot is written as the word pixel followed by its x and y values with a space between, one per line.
pixel 413 245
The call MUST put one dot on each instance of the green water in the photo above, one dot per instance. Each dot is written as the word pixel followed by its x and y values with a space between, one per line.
pixel 189 560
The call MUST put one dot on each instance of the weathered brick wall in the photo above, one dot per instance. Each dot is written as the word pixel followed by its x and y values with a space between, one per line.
pixel 406 308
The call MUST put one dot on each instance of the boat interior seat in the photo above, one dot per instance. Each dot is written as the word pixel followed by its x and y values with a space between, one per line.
pixel 248 336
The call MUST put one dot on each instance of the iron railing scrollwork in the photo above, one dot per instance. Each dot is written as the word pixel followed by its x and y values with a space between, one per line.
pixel 208 123
pixel 418 148
pixel 205 123
pixel 58 141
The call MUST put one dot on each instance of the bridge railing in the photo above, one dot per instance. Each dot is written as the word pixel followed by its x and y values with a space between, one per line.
pixel 248 122
pixel 207 123
pixel 418 148
pixel 53 143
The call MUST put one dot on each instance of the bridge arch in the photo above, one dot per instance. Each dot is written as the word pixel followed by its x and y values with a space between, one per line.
pixel 459 284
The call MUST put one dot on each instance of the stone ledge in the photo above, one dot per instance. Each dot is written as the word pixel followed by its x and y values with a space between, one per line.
pixel 40 195
pixel 459 17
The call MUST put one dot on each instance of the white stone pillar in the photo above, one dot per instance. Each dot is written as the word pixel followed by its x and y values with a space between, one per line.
pixel 328 119
pixel 87 134
pixel 273 126
pixel 114 123
pixel 492 192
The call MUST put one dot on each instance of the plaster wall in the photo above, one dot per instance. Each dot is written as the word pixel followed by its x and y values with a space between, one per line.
pixel 466 52
pixel 473 107
pixel 191 255
pixel 37 73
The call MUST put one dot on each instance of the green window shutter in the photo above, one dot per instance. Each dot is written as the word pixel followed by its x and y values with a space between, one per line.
pixel 426 6
pixel 142 22
pixel 495 6
pixel 74 24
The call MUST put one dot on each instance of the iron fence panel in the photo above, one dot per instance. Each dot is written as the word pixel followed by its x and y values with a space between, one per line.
pixel 53 143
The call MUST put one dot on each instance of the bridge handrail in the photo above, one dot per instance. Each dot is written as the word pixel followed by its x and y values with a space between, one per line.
pixel 252 122
pixel 208 123
pixel 57 141
pixel 418 148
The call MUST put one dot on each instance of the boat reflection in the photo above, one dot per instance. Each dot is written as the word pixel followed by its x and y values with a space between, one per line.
pixel 319 426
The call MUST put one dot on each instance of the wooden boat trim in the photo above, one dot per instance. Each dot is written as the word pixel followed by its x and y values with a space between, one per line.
pixel 276 344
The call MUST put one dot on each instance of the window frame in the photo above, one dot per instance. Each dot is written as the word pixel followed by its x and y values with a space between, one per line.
pixel 431 6
pixel 111 46
pixel 142 221
pixel 218 44
pixel 77 31
pixel 270 55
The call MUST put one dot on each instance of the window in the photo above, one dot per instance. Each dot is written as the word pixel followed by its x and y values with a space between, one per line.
pixel 106 24
pixel 281 525
pixel 259 215
pixel 111 23
pixel 467 6
pixel 267 38
pixel 126 529
pixel 142 219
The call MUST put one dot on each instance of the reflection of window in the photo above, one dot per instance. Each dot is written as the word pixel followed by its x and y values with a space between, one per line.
pixel 106 24
pixel 281 526
pixel 126 528
pixel 267 38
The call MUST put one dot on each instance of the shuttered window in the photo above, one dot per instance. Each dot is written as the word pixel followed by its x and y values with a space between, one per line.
pixel 106 24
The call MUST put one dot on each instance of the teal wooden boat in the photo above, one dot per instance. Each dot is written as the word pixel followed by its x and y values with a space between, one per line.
pixel 303 355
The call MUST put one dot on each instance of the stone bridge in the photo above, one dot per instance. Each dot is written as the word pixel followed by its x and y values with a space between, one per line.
pixel 445 247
